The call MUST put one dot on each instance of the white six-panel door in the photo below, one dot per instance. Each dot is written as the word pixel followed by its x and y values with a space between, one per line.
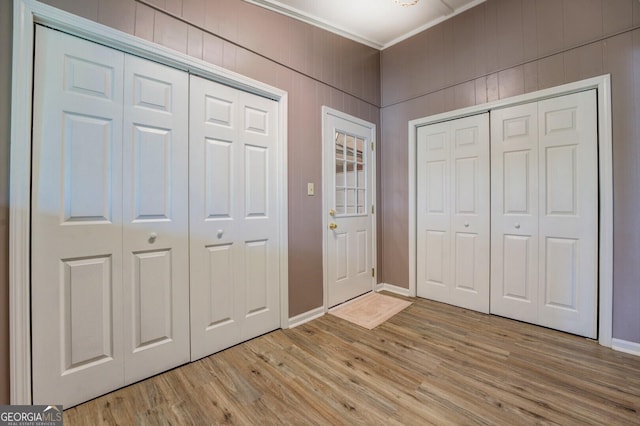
pixel 155 217
pixel 77 283
pixel 545 213
pixel 233 225
pixel 110 283
pixel 453 212
pixel 514 212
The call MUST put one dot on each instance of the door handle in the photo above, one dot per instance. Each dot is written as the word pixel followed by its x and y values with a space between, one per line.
pixel 332 212
pixel 152 237
pixel 517 225
pixel 333 226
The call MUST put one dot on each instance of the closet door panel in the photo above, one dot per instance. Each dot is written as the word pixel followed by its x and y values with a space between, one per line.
pixel 434 213
pixel 216 203
pixel 453 212
pixel 234 218
pixel 569 213
pixel 514 212
pixel 76 238
pixel 155 194
pixel 470 212
pixel 258 139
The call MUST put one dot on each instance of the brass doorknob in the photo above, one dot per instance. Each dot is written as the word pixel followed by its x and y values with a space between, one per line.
pixel 332 212
pixel 333 225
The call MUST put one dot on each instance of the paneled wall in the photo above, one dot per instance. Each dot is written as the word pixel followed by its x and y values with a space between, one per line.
pixel 314 66
pixel 503 48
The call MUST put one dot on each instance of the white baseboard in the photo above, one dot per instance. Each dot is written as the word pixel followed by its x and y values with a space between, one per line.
pixel 306 317
pixel 632 348
pixel 393 289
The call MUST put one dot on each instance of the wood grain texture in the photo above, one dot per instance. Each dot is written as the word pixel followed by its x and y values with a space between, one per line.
pixel 430 364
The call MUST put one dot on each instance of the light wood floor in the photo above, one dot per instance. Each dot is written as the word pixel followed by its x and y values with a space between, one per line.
pixel 432 363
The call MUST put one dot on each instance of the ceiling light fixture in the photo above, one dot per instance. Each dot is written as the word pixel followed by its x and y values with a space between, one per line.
pixel 407 3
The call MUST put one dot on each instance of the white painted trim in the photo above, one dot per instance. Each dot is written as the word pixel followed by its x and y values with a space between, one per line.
pixel 605 179
pixel 26 14
pixel 625 346
pixel 306 316
pixel 402 291
pixel 326 111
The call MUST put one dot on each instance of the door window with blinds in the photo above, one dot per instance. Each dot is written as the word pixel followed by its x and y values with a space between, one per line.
pixel 351 174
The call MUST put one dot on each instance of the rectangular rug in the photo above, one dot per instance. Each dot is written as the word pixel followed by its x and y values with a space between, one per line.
pixel 370 310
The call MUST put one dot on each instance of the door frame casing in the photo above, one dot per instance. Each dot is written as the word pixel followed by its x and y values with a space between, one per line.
pixel 27 13
pixel 602 84
pixel 326 112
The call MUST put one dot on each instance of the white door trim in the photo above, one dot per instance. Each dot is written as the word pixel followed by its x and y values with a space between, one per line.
pixel 26 13
pixel 326 112
pixel 605 178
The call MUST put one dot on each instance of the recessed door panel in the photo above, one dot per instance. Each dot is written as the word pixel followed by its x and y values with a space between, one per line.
pixel 257 264
pixel 256 120
pixel 90 78
pixel 257 181
pixel 222 283
pixel 436 258
pixel 466 136
pixel 466 255
pixel 152 173
pixel 561 273
pixel 87 165
pixel 152 305
pixel 362 245
pixel 218 183
pixel 517 268
pixel 152 93
pixel 219 111
pixel 466 185
pixel 341 256
pixel 562 180
pixel 437 187
pixel 88 306
pixel 517 182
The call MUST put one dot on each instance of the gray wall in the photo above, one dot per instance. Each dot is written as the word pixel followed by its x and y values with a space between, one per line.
pixel 503 48
pixel 316 68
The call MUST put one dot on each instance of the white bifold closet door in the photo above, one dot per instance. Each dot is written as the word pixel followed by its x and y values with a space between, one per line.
pixel 109 219
pixel 235 247
pixel 453 212
pixel 544 218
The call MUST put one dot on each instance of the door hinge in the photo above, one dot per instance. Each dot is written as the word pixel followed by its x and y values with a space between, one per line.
pixel 371 146
pixel 373 272
pixel 373 209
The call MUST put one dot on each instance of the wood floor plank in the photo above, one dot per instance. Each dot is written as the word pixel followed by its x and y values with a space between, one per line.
pixel 430 364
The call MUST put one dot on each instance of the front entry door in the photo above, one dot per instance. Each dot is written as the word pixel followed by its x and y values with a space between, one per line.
pixel 349 198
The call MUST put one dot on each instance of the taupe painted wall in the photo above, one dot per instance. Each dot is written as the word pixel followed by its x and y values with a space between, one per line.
pixel 503 48
pixel 314 66
pixel 5 116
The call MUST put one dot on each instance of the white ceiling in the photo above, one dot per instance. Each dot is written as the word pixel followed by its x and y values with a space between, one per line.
pixel 376 23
